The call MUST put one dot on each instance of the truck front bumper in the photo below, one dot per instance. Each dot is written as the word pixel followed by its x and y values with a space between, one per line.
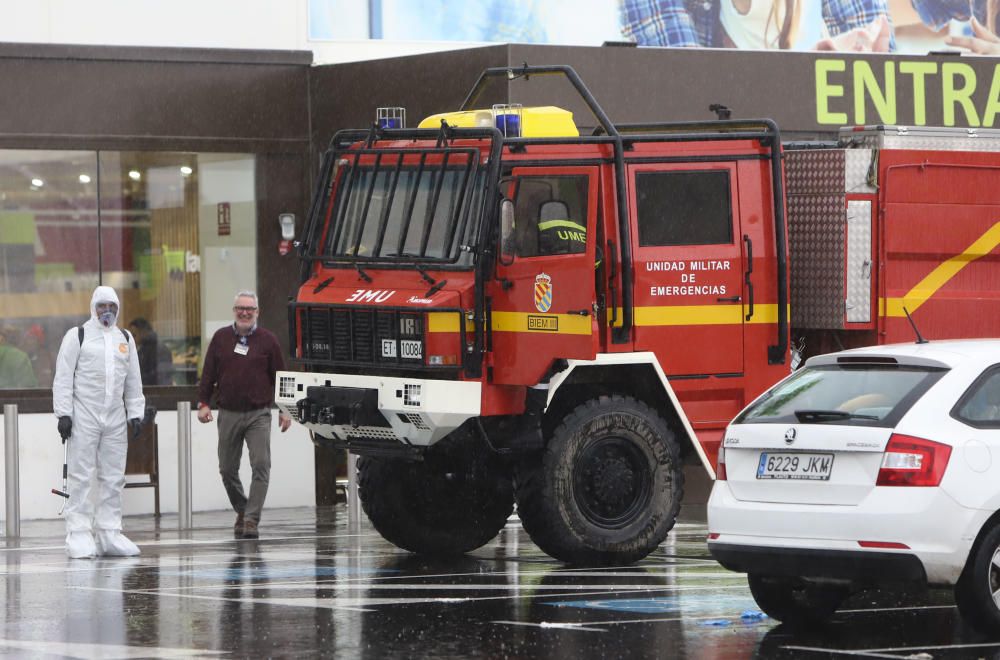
pixel 412 411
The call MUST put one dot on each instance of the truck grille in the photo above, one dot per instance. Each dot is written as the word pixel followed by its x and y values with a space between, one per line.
pixel 349 335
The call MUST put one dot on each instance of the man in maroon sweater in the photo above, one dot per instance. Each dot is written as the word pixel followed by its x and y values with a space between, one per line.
pixel 240 366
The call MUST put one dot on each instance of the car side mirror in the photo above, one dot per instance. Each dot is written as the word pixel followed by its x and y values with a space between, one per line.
pixel 507 247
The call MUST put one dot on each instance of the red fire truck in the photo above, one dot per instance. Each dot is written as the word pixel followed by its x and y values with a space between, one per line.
pixel 496 308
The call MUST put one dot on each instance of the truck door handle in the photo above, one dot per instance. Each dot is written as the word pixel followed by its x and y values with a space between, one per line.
pixel 579 312
pixel 746 276
pixel 728 299
pixel 612 274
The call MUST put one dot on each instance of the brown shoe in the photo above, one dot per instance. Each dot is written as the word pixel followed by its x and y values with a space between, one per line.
pixel 250 530
pixel 238 527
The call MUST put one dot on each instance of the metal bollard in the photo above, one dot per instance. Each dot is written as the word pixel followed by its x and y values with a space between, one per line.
pixel 184 465
pixel 353 501
pixel 12 486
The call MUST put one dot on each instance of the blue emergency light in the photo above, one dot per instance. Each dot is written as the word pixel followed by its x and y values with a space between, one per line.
pixel 507 118
pixel 390 117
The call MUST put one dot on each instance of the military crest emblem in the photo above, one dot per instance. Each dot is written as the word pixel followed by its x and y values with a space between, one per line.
pixel 543 292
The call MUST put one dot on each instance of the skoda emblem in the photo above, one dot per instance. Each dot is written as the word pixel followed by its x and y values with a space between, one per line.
pixel 789 436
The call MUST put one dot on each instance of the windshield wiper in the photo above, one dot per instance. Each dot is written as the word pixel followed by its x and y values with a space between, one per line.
pixel 365 276
pixel 829 415
pixel 434 289
pixel 322 285
pixel 427 278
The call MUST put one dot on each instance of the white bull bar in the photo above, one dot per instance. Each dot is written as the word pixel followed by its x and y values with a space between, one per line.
pixel 419 411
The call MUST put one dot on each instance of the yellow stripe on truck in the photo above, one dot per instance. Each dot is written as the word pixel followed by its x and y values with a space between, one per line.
pixel 938 277
pixel 703 315
pixel 572 324
pixel 545 324
pixel 447 322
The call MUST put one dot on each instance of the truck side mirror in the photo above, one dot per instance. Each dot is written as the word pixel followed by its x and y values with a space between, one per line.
pixel 507 247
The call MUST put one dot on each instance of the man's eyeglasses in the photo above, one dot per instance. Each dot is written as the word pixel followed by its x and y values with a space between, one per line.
pixel 245 310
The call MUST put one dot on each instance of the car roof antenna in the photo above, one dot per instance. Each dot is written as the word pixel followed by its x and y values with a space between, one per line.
pixel 920 338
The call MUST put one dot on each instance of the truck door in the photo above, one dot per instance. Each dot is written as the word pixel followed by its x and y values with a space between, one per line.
pixel 543 309
pixel 689 267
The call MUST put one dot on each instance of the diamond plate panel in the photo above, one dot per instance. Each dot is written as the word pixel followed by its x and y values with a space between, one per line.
pixel 812 171
pixel 859 262
pixel 860 170
pixel 817 235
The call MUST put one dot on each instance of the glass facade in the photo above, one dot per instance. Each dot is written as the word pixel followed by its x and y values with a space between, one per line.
pixel 156 226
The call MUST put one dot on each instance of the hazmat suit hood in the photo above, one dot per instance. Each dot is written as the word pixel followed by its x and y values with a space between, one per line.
pixel 104 294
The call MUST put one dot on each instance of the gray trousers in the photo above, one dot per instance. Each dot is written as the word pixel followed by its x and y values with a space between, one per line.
pixel 255 428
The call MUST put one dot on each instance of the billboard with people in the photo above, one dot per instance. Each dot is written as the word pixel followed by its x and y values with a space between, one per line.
pixel 900 26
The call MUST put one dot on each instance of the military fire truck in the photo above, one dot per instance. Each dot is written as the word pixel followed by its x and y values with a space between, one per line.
pixel 496 308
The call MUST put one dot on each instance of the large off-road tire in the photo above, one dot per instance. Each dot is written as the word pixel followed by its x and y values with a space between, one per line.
pixel 454 501
pixel 795 602
pixel 607 487
pixel 977 593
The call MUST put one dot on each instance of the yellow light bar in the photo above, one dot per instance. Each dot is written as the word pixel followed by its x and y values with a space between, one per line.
pixel 544 121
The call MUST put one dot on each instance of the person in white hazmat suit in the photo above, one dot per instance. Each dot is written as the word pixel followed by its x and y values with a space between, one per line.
pixel 97 386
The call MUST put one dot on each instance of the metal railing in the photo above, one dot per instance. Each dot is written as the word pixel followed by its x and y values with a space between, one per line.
pixel 12 484
pixel 353 501
pixel 184 465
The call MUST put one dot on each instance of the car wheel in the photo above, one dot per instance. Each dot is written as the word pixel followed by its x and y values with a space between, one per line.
pixel 977 593
pixel 608 486
pixel 794 601
pixel 455 500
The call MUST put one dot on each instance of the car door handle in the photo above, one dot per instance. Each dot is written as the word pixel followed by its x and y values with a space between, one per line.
pixel 729 299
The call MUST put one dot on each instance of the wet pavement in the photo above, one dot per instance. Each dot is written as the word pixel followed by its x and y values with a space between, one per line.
pixel 312 586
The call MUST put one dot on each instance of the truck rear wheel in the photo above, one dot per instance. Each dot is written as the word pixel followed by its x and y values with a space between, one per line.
pixel 454 501
pixel 607 487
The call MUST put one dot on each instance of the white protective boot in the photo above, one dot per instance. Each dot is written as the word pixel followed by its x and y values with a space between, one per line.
pixel 80 545
pixel 112 543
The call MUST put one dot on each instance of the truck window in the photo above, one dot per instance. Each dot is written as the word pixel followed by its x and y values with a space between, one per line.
pixel 683 208
pixel 550 215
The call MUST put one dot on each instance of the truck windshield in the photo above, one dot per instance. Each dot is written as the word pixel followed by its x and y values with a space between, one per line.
pixel 406 205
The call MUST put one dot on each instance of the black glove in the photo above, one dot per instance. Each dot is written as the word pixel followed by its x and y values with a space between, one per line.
pixel 65 427
pixel 134 427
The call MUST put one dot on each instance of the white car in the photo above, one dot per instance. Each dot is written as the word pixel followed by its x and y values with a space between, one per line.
pixel 863 467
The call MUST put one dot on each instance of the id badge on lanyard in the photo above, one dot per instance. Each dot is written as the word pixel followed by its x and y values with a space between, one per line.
pixel 241 348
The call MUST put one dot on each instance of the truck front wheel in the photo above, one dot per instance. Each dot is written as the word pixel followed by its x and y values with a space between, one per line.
pixel 454 501
pixel 607 487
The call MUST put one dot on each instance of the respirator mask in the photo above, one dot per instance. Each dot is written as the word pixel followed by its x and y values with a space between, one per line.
pixel 107 312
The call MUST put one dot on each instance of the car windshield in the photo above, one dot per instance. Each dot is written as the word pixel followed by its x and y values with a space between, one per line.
pixel 854 394
pixel 415 205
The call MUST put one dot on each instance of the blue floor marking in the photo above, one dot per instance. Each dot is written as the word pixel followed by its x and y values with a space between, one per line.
pixel 689 604
pixel 244 573
pixel 646 605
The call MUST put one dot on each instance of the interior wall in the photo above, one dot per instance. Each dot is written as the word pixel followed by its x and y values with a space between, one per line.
pixel 187 100
pixel 227 264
